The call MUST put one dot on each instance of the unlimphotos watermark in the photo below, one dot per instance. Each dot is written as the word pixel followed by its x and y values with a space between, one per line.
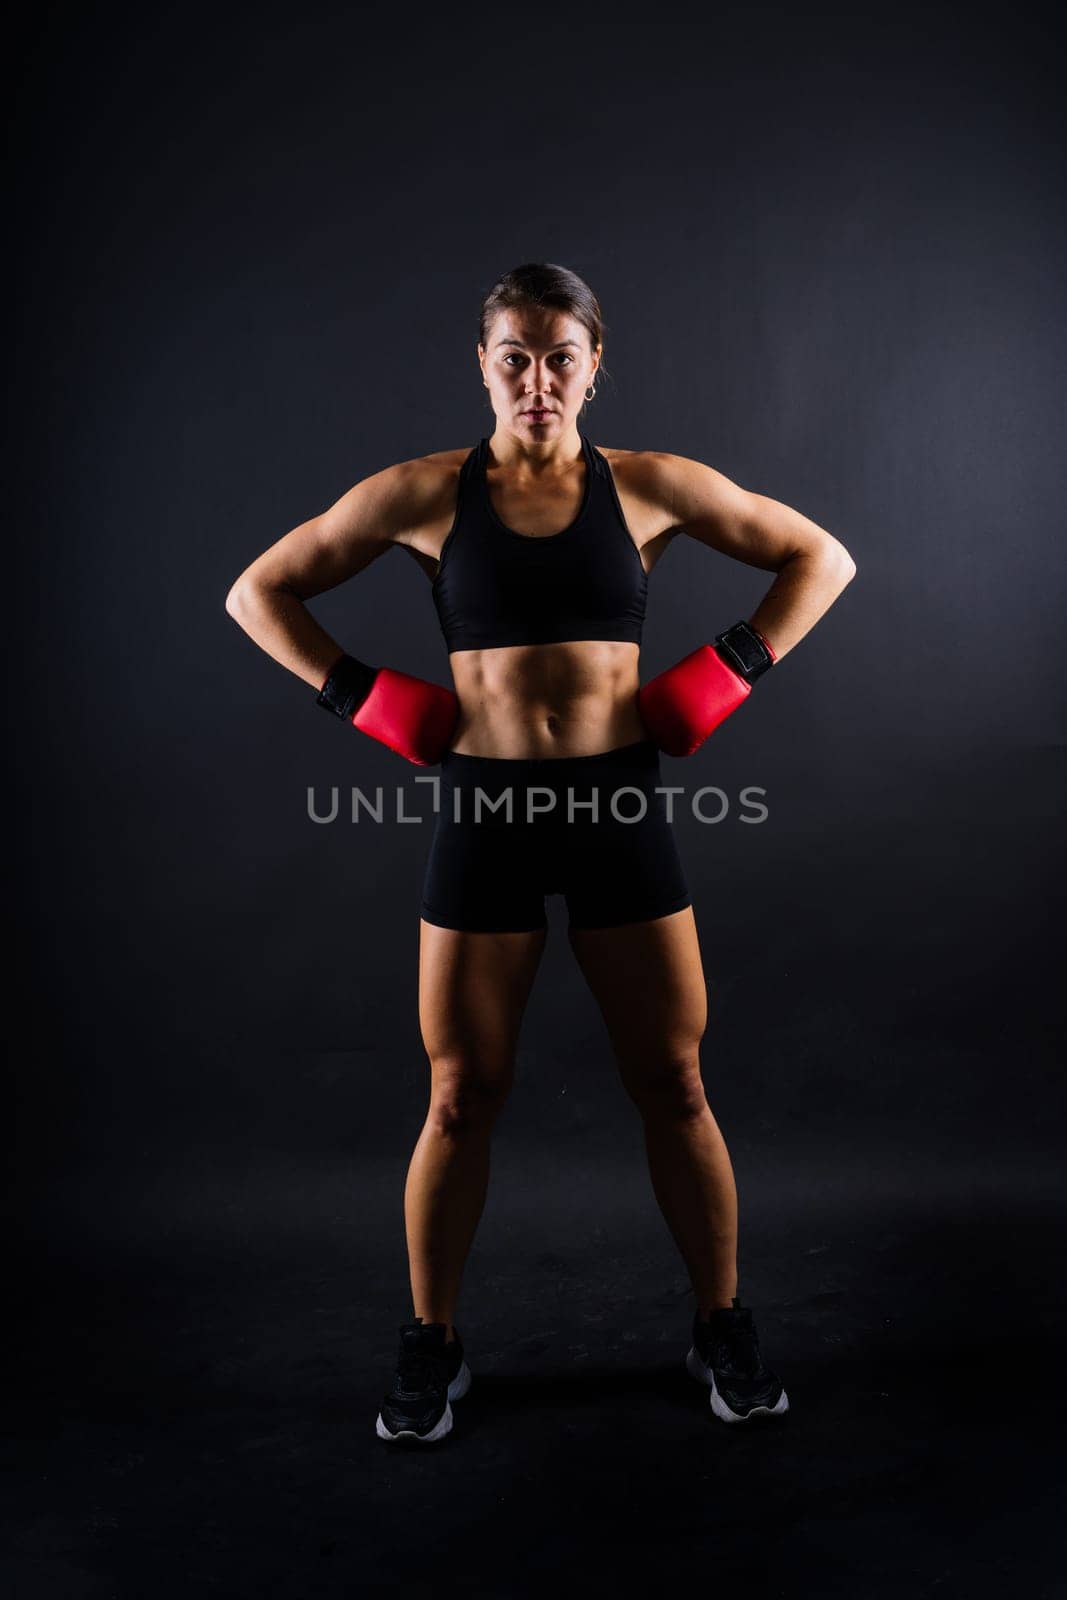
pixel 708 804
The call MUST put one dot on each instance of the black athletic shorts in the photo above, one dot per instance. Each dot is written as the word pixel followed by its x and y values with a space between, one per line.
pixel 617 864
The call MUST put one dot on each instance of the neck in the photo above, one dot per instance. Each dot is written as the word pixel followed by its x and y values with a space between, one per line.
pixel 509 449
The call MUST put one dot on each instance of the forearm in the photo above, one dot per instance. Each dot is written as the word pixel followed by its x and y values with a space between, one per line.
pixel 282 626
pixel 803 591
pixel 411 716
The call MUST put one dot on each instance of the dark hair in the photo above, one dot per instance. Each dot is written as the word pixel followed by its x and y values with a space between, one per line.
pixel 542 283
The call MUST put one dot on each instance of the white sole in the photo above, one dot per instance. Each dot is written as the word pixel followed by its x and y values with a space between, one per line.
pixel 704 1374
pixel 438 1431
pixel 460 1383
pixel 456 1390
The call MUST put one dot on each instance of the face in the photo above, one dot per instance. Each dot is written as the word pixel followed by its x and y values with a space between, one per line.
pixel 538 366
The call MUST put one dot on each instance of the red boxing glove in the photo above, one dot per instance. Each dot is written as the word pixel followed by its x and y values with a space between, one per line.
pixel 413 717
pixel 683 705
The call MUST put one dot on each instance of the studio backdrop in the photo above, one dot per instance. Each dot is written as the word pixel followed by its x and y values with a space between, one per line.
pixel 249 262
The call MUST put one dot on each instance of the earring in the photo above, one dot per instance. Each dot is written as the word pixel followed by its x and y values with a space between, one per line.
pixel 592 394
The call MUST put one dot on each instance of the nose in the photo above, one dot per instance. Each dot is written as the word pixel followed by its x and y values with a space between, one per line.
pixel 537 382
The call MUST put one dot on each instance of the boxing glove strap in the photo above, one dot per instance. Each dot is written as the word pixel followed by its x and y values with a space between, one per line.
pixel 347 686
pixel 746 650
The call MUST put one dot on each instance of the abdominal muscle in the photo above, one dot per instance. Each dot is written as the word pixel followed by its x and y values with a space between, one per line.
pixel 518 702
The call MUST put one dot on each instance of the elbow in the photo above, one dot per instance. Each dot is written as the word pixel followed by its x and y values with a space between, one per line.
pixel 841 563
pixel 238 600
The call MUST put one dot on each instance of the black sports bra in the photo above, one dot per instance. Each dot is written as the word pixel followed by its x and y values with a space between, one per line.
pixel 498 587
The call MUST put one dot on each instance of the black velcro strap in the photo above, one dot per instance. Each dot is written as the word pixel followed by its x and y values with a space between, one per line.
pixel 743 649
pixel 348 685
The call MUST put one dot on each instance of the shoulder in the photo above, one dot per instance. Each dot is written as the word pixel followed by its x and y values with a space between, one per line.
pixel 652 469
pixel 420 489
pixel 659 477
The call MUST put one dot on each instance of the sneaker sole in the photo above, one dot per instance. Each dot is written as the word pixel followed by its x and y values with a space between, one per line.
pixel 456 1390
pixel 705 1374
pixel 460 1383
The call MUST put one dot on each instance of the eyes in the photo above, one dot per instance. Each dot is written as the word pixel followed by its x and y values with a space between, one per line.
pixel 563 356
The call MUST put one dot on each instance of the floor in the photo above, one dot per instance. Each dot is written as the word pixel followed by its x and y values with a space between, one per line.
pixel 192 1407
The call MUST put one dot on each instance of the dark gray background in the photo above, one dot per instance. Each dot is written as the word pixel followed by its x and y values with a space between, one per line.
pixel 248 262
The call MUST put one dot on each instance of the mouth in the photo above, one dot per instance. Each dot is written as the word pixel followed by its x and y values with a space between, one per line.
pixel 537 413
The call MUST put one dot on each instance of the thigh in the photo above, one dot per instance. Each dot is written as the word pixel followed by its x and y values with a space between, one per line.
pixel 473 989
pixel 622 866
pixel 648 981
pixel 483 877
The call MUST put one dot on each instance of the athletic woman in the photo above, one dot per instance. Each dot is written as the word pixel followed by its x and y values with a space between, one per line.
pixel 539 545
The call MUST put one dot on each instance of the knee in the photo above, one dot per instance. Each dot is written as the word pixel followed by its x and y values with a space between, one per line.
pixel 465 1096
pixel 670 1086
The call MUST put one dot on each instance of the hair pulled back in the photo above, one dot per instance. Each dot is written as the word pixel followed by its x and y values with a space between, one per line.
pixel 543 283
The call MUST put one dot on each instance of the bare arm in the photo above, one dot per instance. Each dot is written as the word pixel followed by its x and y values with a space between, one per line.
pixel 267 600
pixel 812 566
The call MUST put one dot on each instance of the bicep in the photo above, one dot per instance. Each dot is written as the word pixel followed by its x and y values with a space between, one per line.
pixel 344 539
pixel 750 527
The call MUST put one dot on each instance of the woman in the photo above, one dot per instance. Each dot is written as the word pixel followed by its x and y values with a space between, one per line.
pixel 539 546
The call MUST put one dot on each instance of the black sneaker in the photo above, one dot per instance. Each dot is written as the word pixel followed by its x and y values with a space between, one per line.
pixel 429 1374
pixel 725 1354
